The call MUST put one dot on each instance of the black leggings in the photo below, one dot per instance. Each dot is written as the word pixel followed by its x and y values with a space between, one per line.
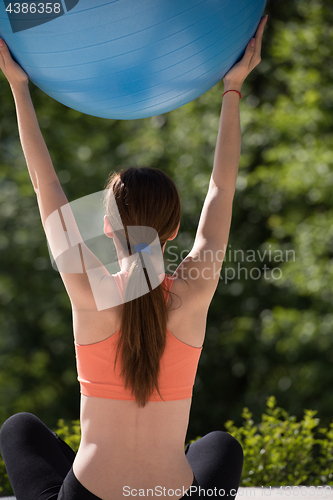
pixel 39 463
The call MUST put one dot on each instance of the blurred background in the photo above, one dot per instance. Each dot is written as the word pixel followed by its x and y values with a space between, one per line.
pixel 270 325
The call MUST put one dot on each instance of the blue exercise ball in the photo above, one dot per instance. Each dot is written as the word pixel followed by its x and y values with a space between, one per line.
pixel 128 59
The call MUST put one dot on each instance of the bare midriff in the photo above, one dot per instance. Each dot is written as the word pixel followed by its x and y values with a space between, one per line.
pixel 122 449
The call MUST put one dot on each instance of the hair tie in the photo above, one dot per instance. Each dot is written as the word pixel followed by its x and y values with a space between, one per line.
pixel 142 247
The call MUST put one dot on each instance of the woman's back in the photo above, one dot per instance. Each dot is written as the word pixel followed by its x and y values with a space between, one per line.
pixel 120 441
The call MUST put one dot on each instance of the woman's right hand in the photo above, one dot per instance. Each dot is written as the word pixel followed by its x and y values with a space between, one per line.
pixel 252 57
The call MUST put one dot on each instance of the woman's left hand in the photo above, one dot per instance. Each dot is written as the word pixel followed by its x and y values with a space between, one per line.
pixel 12 71
pixel 251 58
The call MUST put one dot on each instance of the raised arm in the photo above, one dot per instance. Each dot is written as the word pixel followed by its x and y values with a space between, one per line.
pixel 201 268
pixel 50 195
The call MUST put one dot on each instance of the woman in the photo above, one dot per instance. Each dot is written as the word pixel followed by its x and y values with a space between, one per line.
pixel 136 384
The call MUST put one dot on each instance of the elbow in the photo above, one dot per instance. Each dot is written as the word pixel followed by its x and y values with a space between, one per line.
pixel 226 191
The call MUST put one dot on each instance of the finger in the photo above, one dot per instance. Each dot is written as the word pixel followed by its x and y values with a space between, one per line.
pixel 249 51
pixel 3 48
pixel 258 36
pixel 260 28
pixel 2 53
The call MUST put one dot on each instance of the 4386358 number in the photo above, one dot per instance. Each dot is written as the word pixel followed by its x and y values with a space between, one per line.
pixel 33 8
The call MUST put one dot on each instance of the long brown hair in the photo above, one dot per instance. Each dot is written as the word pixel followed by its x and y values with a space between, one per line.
pixel 145 196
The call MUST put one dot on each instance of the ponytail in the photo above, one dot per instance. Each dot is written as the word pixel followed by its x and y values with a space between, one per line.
pixel 148 198
pixel 143 335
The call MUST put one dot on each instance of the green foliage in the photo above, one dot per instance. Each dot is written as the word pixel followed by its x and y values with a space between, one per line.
pixel 70 433
pixel 281 451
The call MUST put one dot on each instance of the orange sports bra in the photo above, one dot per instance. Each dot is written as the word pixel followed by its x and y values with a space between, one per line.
pixel 98 378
